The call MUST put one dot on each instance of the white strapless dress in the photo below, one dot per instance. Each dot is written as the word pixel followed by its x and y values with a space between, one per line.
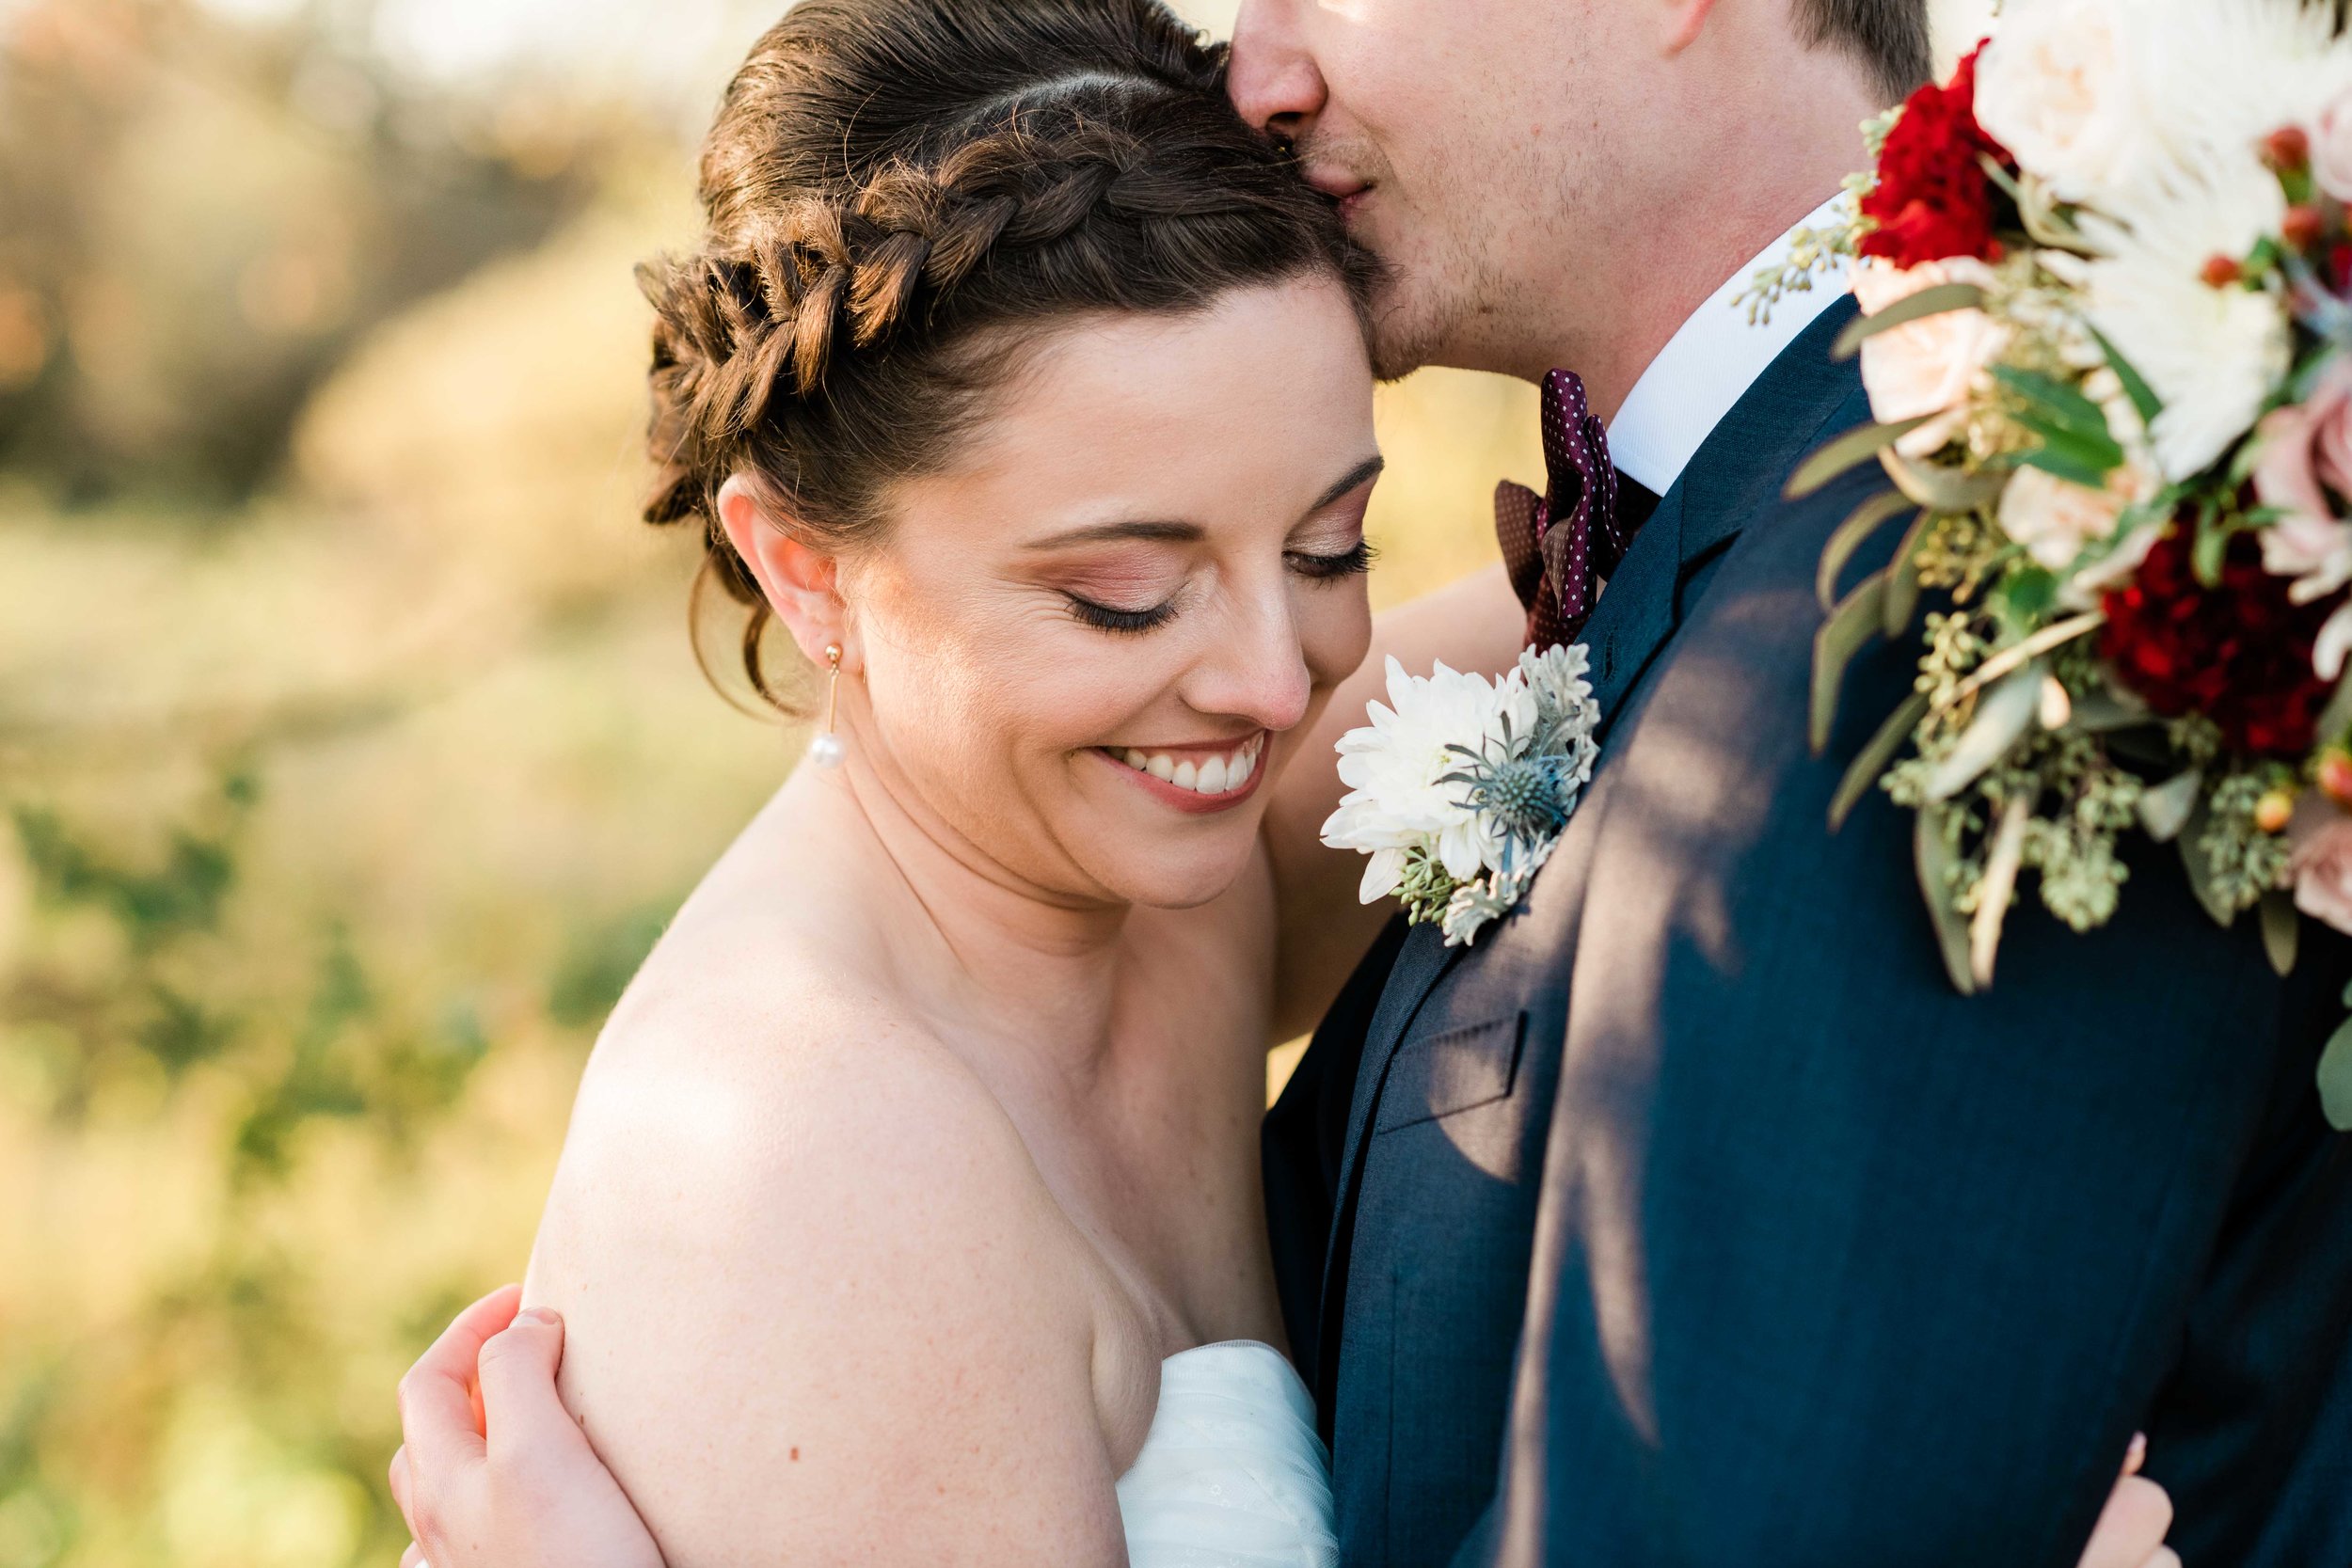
pixel 1233 1474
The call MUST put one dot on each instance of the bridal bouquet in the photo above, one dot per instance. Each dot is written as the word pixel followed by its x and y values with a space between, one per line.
pixel 2106 280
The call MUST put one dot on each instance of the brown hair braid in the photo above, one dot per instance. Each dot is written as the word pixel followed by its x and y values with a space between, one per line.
pixel 896 189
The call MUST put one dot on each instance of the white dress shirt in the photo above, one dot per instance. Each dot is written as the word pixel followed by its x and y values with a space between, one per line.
pixel 1710 363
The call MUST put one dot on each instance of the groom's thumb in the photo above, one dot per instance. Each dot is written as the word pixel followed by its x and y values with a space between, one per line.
pixel 525 1421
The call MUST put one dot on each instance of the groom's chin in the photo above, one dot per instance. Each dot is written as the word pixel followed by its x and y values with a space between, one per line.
pixel 1408 333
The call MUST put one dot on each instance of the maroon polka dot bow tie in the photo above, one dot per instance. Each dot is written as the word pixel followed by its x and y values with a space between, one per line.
pixel 1561 546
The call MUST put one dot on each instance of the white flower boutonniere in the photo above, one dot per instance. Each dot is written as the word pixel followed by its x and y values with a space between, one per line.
pixel 1460 786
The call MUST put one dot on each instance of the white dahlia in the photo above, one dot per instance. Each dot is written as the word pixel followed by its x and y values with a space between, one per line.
pixel 2100 98
pixel 2214 355
pixel 1394 769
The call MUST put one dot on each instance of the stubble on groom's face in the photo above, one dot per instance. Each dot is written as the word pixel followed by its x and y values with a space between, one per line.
pixel 1463 151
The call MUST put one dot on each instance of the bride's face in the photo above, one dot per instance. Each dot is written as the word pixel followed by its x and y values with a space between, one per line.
pixel 1086 646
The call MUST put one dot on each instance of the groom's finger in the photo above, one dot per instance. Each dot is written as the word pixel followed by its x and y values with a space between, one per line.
pixel 437 1409
pixel 526 1417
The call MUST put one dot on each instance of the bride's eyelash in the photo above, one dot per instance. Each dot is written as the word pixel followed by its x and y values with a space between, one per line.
pixel 1348 564
pixel 1103 617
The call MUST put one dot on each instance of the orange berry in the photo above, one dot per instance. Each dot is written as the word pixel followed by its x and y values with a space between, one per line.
pixel 2304 226
pixel 2288 151
pixel 2274 810
pixel 2335 777
pixel 2222 270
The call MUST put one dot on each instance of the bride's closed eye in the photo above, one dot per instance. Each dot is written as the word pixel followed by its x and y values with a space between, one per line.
pixel 1110 618
pixel 1347 563
pixel 1307 563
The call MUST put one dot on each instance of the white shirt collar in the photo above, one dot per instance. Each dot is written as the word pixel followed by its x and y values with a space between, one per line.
pixel 1710 363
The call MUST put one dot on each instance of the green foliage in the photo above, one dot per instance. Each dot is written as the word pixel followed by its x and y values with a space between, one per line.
pixel 597 963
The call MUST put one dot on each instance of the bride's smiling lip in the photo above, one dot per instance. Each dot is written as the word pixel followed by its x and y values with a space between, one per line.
pixel 1175 775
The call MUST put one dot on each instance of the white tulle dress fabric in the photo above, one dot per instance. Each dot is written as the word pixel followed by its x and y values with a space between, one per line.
pixel 1232 1475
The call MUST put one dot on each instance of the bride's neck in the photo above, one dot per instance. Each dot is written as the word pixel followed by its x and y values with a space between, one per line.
pixel 980 948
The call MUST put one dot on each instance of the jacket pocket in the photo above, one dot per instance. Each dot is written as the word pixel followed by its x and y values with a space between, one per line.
pixel 1456 1070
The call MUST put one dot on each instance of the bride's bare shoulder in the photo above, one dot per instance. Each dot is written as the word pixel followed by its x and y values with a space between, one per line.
pixel 811 1279
pixel 742 1072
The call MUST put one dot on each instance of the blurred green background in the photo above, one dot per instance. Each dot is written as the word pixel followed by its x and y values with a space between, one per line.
pixel 352 751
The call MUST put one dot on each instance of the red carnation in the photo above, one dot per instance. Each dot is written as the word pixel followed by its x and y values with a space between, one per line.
pixel 2240 654
pixel 1933 199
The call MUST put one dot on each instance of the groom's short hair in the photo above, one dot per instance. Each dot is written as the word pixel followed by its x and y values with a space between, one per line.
pixel 1891 37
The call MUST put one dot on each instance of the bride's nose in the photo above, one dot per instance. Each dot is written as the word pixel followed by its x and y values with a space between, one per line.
pixel 1254 667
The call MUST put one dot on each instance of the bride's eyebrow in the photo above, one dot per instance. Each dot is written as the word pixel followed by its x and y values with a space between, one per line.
pixel 1360 475
pixel 1169 532
pixel 1102 533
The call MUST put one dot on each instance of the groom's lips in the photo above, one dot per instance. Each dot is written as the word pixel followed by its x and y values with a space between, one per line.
pixel 1341 188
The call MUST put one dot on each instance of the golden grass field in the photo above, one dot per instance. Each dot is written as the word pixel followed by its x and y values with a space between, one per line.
pixel 331 822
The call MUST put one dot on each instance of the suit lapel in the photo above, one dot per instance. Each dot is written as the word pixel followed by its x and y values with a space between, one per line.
pixel 1742 468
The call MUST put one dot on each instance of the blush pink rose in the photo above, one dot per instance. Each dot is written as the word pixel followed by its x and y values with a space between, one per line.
pixel 2331 149
pixel 2321 863
pixel 1931 365
pixel 2305 452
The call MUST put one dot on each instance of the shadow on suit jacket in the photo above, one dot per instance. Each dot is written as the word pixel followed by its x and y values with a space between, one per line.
pixel 1693 1218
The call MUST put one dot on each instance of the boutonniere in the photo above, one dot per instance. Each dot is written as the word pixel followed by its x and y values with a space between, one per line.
pixel 2110 356
pixel 1460 786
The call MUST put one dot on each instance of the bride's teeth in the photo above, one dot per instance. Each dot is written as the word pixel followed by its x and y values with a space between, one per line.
pixel 1160 768
pixel 1187 776
pixel 1135 759
pixel 1212 779
pixel 1244 765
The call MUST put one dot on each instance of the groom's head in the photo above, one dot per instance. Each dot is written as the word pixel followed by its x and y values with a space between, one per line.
pixel 1533 170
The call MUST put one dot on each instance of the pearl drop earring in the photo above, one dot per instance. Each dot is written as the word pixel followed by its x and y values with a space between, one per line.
pixel 827 751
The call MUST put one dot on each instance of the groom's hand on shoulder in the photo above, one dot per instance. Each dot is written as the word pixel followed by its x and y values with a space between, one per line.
pixel 493 1471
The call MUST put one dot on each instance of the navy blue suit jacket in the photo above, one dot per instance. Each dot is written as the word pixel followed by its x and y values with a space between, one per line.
pixel 1693 1218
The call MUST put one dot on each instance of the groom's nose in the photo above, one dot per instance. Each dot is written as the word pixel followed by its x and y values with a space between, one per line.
pixel 1273 77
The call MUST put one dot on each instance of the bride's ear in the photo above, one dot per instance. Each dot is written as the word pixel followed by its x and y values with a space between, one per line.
pixel 802 582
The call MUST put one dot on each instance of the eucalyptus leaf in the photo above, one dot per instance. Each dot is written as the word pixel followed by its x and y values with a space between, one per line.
pixel 1848 452
pixel 1852 535
pixel 2282 929
pixel 1902 577
pixel 2065 464
pixel 2053 404
pixel 1931 857
pixel 2200 867
pixel 2005 712
pixel 1927 302
pixel 1868 767
pixel 2335 1080
pixel 2026 595
pixel 2102 710
pixel 2165 809
pixel 2099 451
pixel 2336 718
pixel 2136 386
pixel 2004 858
pixel 1942 489
pixel 1854 622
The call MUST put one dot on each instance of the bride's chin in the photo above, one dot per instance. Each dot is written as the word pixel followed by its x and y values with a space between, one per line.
pixel 1189 881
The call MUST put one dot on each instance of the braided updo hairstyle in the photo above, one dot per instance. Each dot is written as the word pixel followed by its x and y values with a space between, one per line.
pixel 894 190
